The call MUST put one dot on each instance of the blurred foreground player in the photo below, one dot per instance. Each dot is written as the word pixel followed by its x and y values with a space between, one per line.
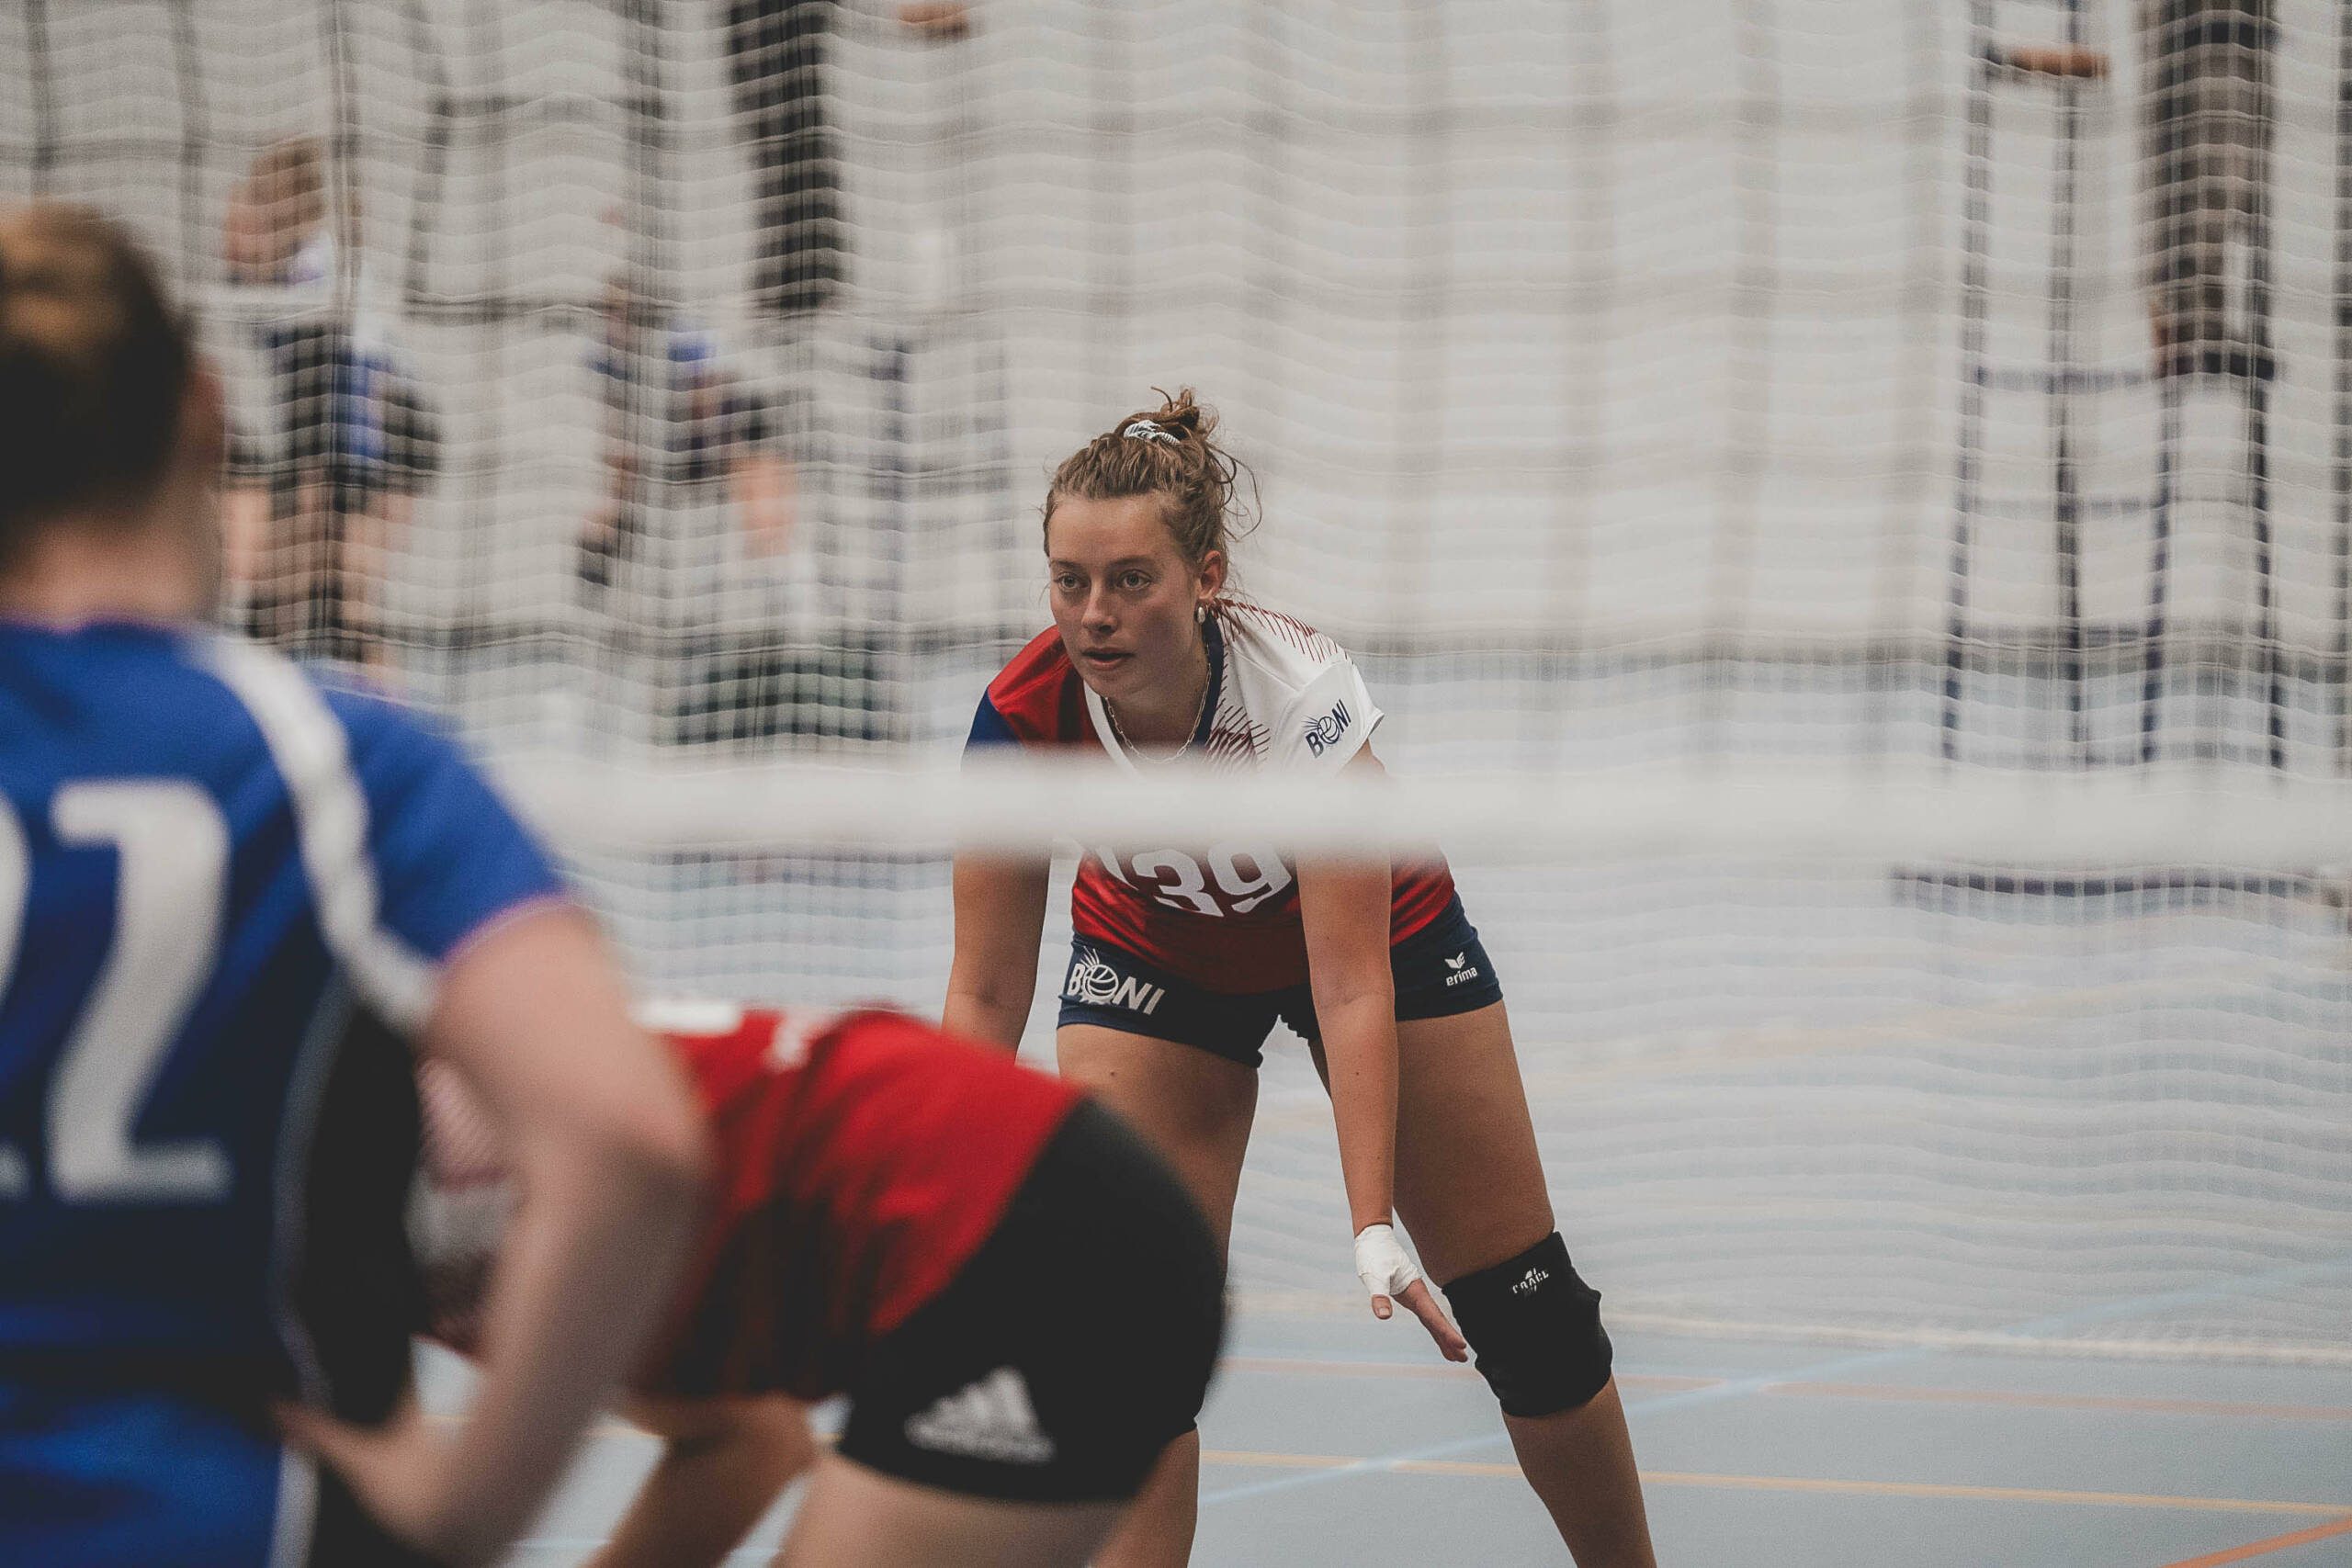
pixel 1020 1301
pixel 1186 956
pixel 203 857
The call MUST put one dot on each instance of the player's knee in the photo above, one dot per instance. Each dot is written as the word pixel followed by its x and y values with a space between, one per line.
pixel 1536 1329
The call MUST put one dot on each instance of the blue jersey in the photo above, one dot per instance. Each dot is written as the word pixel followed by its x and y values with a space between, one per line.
pixel 205 860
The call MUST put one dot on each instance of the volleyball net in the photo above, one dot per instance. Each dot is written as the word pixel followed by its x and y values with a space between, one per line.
pixel 1845 508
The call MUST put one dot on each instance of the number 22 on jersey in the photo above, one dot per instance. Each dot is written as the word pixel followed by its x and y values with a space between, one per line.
pixel 172 847
pixel 1246 877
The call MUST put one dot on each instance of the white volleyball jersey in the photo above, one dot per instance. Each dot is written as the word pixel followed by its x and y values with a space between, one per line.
pixel 1283 696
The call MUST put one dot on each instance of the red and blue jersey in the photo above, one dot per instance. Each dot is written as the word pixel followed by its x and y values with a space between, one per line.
pixel 1224 917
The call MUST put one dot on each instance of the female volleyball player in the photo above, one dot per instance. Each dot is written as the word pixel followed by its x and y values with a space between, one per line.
pixel 202 855
pixel 1020 1300
pixel 1185 957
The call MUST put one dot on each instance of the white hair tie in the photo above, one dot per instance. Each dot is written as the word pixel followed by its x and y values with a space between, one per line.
pixel 1149 430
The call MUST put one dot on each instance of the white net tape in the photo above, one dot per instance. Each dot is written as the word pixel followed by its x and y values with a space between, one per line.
pixel 1890 736
pixel 1892 812
pixel 2054 1061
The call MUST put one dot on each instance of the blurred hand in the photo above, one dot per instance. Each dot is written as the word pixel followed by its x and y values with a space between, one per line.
pixel 936 19
pixel 399 1472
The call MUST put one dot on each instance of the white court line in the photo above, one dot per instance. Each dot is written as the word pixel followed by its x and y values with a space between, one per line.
pixel 1735 1049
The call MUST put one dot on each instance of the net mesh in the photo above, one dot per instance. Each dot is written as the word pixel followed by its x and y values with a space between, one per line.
pixel 1697 387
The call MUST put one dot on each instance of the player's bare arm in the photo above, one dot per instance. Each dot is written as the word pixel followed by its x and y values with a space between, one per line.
pixel 1344 907
pixel 609 1157
pixel 1000 918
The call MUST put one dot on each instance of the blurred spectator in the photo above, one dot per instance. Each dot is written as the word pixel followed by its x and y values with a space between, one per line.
pixel 672 419
pixel 2208 119
pixel 775 53
pixel 315 504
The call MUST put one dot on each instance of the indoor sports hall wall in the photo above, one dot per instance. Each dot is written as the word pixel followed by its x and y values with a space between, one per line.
pixel 1689 381
pixel 1573 337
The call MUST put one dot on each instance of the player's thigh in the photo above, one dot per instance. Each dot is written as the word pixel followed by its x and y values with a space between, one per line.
pixel 857 1518
pixel 1469 1182
pixel 1195 1108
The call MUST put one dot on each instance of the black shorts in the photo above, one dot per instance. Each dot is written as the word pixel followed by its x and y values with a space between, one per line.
pixel 1439 970
pixel 1070 1350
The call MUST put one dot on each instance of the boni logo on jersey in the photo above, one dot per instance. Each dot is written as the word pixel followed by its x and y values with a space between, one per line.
pixel 1099 984
pixel 1326 731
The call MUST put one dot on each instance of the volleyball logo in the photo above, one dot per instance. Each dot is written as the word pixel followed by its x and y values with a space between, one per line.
pixel 1326 731
pixel 1097 984
pixel 1091 979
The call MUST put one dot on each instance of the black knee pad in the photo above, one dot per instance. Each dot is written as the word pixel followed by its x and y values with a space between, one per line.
pixel 1536 1329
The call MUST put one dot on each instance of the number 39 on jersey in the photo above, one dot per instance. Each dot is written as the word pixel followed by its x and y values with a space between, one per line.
pixel 1226 879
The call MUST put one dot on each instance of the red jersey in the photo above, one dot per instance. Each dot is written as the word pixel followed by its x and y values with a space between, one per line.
pixel 861 1160
pixel 1224 918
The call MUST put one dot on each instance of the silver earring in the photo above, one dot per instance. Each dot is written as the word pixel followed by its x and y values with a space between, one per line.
pixel 1200 615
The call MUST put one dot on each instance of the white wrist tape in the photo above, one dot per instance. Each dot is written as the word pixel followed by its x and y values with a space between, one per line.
pixel 1381 1262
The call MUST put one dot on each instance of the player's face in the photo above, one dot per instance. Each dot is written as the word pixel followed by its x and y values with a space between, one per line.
pixel 1122 596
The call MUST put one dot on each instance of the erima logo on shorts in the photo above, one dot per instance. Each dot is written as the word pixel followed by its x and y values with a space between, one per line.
pixel 1461 974
pixel 989 1419
pixel 1327 730
pixel 1534 1277
pixel 1095 983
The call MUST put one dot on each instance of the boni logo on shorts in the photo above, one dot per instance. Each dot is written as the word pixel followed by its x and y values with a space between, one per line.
pixel 1097 984
pixel 1327 730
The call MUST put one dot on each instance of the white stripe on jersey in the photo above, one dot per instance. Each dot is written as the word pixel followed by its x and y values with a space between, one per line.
pixel 297 1509
pixel 307 743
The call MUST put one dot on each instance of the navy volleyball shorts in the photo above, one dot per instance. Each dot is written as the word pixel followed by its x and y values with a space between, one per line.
pixel 1440 970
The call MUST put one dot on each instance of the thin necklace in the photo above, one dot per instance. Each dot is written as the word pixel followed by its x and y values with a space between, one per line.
pixel 1111 711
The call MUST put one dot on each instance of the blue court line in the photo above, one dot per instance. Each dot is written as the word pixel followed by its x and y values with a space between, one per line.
pixel 1822 1371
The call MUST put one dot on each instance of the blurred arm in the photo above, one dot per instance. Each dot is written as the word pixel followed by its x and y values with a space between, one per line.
pixel 767 495
pixel 1000 921
pixel 244 530
pixel 607 1153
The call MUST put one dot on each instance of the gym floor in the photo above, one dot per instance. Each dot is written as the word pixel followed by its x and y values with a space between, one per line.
pixel 2100 1442
pixel 1754 1140
pixel 1336 1442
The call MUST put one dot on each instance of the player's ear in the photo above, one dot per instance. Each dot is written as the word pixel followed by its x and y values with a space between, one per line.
pixel 1211 575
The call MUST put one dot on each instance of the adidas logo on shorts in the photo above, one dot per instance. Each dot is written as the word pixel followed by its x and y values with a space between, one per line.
pixel 1534 1277
pixel 990 1419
